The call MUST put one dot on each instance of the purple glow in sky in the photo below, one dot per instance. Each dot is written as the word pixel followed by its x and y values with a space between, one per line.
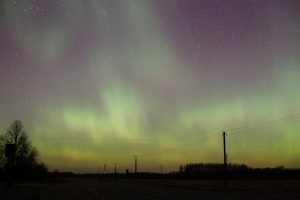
pixel 97 81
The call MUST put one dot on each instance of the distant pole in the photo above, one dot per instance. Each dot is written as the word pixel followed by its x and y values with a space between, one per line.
pixel 104 169
pixel 225 159
pixel 161 170
pixel 99 172
pixel 135 164
pixel 115 171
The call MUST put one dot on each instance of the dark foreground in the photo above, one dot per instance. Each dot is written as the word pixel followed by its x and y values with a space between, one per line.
pixel 90 189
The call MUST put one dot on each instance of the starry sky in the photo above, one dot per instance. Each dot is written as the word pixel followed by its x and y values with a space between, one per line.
pixel 98 81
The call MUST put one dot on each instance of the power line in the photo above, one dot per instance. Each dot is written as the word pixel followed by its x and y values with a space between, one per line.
pixel 271 155
pixel 278 148
pixel 177 147
pixel 88 138
pixel 254 130
pixel 260 126
pixel 255 126
pixel 266 124
pixel 291 117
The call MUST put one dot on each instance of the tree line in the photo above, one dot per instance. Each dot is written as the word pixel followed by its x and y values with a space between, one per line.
pixel 235 171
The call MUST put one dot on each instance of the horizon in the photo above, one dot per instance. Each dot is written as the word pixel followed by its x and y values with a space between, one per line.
pixel 97 82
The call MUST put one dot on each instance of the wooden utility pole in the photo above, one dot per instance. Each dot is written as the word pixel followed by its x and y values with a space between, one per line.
pixel 115 177
pixel 104 169
pixel 225 159
pixel 135 164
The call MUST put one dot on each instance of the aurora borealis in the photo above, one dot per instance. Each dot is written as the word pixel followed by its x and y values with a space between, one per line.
pixel 98 81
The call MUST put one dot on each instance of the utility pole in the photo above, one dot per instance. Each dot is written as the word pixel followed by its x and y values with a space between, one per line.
pixel 161 169
pixel 115 171
pixel 225 159
pixel 99 173
pixel 135 164
pixel 115 168
pixel 104 169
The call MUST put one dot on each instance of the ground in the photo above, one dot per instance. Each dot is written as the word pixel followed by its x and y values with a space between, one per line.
pixel 91 189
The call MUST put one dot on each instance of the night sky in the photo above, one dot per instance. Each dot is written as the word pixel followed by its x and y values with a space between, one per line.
pixel 98 81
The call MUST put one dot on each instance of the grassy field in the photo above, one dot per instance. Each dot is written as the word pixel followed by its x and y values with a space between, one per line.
pixel 256 185
pixel 86 189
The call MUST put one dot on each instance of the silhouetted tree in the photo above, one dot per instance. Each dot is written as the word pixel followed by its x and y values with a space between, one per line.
pixel 2 152
pixel 26 156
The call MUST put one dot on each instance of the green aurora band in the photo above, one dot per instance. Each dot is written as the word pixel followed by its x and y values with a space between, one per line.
pixel 130 89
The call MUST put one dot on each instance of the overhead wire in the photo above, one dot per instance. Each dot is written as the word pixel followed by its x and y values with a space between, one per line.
pixel 266 124
pixel 252 127
pixel 254 130
pixel 257 127
pixel 177 147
